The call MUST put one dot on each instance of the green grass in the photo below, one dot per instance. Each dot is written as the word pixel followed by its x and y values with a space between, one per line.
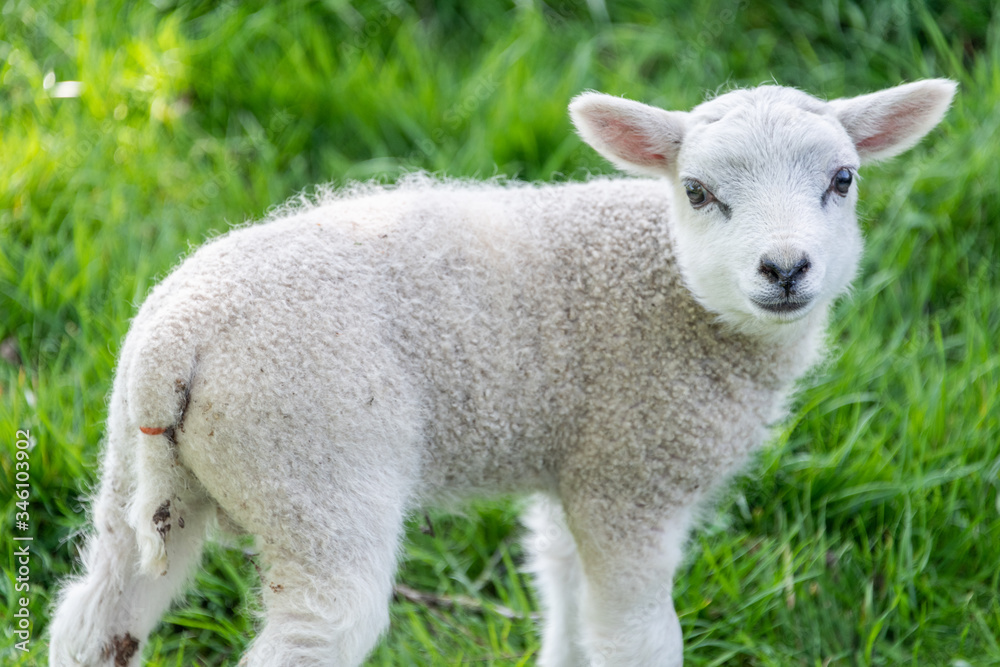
pixel 867 533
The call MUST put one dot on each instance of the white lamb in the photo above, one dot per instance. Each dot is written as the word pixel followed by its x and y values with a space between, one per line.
pixel 616 347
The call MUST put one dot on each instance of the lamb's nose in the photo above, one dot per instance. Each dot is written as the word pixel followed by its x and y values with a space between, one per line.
pixel 784 275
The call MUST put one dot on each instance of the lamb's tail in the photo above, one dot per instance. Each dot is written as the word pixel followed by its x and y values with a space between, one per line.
pixel 158 389
pixel 149 507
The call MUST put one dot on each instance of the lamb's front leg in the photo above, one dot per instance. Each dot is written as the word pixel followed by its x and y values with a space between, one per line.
pixel 558 578
pixel 627 613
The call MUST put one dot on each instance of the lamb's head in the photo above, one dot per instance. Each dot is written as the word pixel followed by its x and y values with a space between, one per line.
pixel 765 185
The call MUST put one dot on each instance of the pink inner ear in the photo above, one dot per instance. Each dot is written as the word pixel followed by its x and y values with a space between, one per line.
pixel 627 140
pixel 888 135
pixel 892 129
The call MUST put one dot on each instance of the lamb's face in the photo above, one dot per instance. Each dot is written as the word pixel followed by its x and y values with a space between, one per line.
pixel 765 185
pixel 764 220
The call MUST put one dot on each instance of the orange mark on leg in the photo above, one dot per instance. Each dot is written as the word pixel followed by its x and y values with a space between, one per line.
pixel 149 430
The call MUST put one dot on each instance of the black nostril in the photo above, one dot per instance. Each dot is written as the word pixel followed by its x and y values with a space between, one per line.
pixel 770 270
pixel 802 266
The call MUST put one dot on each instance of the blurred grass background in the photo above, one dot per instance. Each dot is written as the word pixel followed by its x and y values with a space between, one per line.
pixel 867 533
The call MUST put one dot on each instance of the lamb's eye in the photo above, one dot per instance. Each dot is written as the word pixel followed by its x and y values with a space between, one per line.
pixel 696 193
pixel 842 181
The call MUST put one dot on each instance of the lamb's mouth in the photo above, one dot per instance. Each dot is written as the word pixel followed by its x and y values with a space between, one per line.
pixel 782 306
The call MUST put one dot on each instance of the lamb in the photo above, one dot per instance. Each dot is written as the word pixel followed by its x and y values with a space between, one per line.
pixel 614 347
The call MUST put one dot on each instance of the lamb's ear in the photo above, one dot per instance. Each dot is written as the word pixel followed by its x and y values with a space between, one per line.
pixel 888 122
pixel 635 137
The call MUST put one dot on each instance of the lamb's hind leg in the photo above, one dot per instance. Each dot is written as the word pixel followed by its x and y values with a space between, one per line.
pixel 322 476
pixel 103 617
pixel 328 579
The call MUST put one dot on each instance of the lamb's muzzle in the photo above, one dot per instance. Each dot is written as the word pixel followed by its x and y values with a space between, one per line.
pixel 784 276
